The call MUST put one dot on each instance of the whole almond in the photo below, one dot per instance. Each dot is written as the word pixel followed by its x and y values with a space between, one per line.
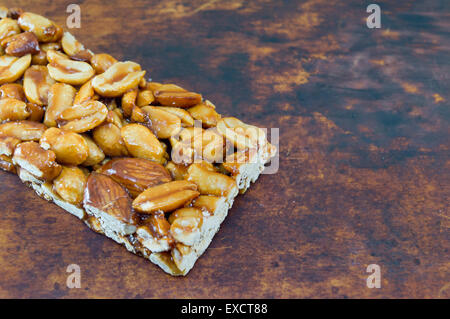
pixel 103 193
pixel 135 174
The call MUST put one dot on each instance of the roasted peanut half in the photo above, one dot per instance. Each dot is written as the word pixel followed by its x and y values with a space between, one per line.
pixel 141 142
pixel 68 71
pixel 82 117
pixel 74 48
pixel 95 153
pixel 85 93
pixel 23 130
pixel 21 44
pixel 70 148
pixel 185 117
pixel 162 123
pixel 12 90
pixel 43 28
pixel 205 113
pixel 145 97
pixel 39 162
pixel 108 137
pixel 102 62
pixel 177 171
pixel 119 78
pixel 129 102
pixel 242 135
pixel 186 224
pixel 8 144
pixel 8 27
pixel 70 184
pixel 177 99
pixel 13 110
pixel 212 183
pixel 209 204
pixel 165 197
pixel 37 83
pixel 60 97
pixel 12 68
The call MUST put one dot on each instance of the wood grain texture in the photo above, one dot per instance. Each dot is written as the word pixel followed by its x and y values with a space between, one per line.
pixel 364 144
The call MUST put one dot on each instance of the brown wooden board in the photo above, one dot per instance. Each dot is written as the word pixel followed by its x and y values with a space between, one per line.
pixel 364 151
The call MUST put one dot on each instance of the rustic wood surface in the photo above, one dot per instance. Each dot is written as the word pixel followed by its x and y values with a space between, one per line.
pixel 364 145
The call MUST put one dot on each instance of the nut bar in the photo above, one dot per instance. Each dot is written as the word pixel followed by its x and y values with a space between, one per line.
pixel 152 166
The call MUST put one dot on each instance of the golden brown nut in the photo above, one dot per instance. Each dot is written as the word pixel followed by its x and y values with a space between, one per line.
pixel 145 97
pixel 12 90
pixel 114 118
pixel 165 197
pixel 208 203
pixel 205 113
pixel 242 135
pixel 108 137
pixel 142 143
pixel 70 148
pixel 70 184
pixel 135 174
pixel 12 68
pixel 8 144
pixel 8 27
pixel 106 196
pixel 23 130
pixel 37 83
pixel 178 171
pixel 60 97
pixel 129 102
pixel 75 49
pixel 37 161
pixel 177 99
pixel 212 183
pixel 162 123
pixel 185 117
pixel 119 78
pixel 68 71
pixel 186 224
pixel 102 62
pixel 21 44
pixel 82 117
pixel 43 28
pixel 13 110
pixel 95 154
pixel 85 93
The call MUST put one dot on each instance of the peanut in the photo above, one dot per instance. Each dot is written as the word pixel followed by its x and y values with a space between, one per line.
pixel 70 148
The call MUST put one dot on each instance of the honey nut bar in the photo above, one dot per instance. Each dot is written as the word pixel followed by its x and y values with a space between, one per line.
pixel 152 166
